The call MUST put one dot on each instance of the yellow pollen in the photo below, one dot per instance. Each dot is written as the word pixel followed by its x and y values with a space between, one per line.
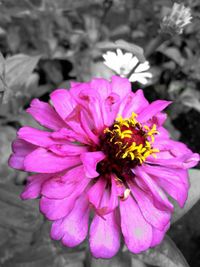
pixel 126 133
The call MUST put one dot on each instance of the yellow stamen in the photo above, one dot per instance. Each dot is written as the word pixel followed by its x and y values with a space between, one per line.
pixel 129 150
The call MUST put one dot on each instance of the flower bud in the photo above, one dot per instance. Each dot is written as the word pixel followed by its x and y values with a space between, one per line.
pixel 174 23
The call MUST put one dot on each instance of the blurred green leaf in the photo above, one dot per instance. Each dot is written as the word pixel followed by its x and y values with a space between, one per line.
pixel 193 196
pixel 164 255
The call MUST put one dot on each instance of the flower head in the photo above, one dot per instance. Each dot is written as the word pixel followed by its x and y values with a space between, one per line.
pixel 105 151
pixel 123 64
pixel 176 21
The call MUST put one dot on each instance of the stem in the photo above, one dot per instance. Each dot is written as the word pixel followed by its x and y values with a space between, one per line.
pixel 155 43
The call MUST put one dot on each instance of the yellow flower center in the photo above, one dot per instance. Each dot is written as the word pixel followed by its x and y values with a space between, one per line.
pixel 130 140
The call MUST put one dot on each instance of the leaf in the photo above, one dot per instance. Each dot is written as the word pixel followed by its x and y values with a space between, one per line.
pixel 120 260
pixel 191 98
pixel 164 255
pixel 3 86
pixel 172 53
pixel 9 7
pixel 16 214
pixel 130 47
pixel 193 196
pixel 133 48
pixel 35 256
pixel 45 254
pixel 17 241
pixel 53 71
pixel 18 69
pixel 7 135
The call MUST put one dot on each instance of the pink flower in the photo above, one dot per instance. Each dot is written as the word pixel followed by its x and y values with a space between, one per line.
pixel 105 151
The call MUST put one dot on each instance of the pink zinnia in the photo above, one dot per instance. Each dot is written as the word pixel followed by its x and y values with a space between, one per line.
pixel 105 152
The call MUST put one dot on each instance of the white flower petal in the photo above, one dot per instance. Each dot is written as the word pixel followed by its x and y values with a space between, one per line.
pixel 143 67
pixel 133 62
pixel 122 64
pixel 140 77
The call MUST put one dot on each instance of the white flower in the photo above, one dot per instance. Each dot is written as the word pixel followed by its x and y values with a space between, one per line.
pixel 175 22
pixel 124 64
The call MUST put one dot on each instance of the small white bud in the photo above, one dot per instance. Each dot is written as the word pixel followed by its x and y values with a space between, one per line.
pixel 175 22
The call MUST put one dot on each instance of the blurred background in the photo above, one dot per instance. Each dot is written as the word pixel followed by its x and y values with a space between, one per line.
pixel 44 45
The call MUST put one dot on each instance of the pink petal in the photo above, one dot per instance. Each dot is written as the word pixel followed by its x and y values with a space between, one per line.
pixel 171 181
pixel 66 134
pixel 88 127
pixel 55 209
pixel 176 148
pixel 152 109
pixel 152 215
pixel 111 201
pixel 74 84
pixel 134 102
pixel 158 235
pixel 69 149
pixel 104 236
pixel 70 229
pixel 44 161
pixel 120 86
pixel 16 162
pixel 91 100
pixel 159 119
pixel 33 187
pixel 96 192
pixel 45 115
pixel 110 108
pixel 63 186
pixel 160 199
pixel 101 86
pixel 90 161
pixel 21 149
pixel 56 230
pixel 136 230
pixel 35 136
pixel 163 133
pixel 74 122
pixel 63 102
pixel 186 161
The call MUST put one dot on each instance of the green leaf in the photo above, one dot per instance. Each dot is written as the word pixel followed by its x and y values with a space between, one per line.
pixel 193 196
pixel 164 255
